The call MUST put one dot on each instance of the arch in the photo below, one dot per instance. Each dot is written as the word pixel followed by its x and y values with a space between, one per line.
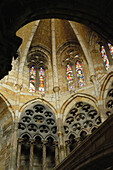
pixel 27 134
pixel 51 136
pixel 38 135
pixel 37 100
pixel 8 105
pixel 37 119
pixel 105 85
pixel 68 104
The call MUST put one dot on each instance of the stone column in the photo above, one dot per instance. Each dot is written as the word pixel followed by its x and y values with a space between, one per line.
pixel 102 110
pixel 61 146
pixel 19 153
pixel 56 153
pixel 44 155
pixel 13 161
pixel 31 155
pixel 67 148
pixel 96 84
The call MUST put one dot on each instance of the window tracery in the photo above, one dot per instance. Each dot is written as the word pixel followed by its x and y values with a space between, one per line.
pixel 37 63
pixel 74 72
pixel 81 121
pixel 38 125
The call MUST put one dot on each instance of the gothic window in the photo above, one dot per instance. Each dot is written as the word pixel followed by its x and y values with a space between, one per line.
pixel 69 75
pixel 38 126
pixel 41 80
pixel 81 121
pixel 37 79
pixel 32 79
pixel 79 73
pixel 111 49
pixel 104 57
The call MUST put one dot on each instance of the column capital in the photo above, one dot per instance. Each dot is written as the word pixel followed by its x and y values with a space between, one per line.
pixel 93 78
pixel 67 142
pixel 44 142
pixel 56 89
pixel 20 140
pixel 60 133
pixel 56 143
pixel 31 141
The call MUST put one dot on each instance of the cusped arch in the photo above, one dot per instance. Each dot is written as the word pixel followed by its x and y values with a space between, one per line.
pixel 81 118
pixel 36 100
pixel 37 119
pixel 70 102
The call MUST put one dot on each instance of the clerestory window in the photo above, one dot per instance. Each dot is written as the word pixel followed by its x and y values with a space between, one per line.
pixel 37 79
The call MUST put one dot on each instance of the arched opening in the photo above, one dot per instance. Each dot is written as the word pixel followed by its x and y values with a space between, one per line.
pixel 37 137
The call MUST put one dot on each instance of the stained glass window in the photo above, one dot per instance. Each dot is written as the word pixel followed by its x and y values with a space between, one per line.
pixel 111 49
pixel 104 56
pixel 32 79
pixel 80 75
pixel 69 74
pixel 41 80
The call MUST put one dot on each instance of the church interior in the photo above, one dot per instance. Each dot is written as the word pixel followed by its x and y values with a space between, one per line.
pixel 56 88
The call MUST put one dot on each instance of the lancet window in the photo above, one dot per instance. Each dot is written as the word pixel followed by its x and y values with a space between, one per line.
pixel 41 80
pixel 70 77
pixel 32 80
pixel 37 79
pixel 104 57
pixel 37 63
pixel 79 73
pixel 74 74
pixel 111 49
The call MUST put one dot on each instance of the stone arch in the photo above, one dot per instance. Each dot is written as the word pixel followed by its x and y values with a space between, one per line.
pixel 105 85
pixel 68 104
pixel 34 101
pixel 107 94
pixel 81 118
pixel 37 125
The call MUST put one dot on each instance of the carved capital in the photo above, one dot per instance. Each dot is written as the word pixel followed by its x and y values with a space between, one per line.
pixel 56 89
pixel 20 140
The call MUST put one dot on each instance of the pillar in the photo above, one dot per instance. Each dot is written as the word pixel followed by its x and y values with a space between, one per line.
pixel 102 110
pixel 13 162
pixel 67 148
pixel 31 155
pixel 44 155
pixel 56 153
pixel 19 152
